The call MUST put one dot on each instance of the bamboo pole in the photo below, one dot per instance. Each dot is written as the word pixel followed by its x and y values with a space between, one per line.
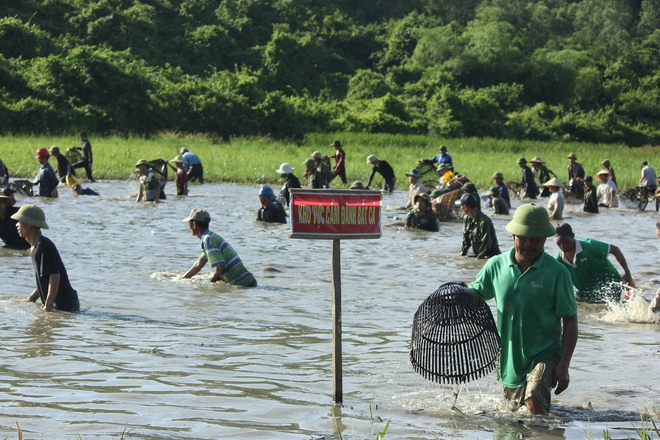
pixel 338 395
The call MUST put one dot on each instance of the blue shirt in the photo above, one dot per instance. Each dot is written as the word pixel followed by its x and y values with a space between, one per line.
pixel 47 180
pixel 442 158
pixel 89 191
pixel 190 159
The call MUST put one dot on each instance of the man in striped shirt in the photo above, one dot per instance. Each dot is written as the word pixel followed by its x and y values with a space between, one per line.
pixel 227 265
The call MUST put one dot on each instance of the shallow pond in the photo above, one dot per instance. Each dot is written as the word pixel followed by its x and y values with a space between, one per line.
pixel 164 357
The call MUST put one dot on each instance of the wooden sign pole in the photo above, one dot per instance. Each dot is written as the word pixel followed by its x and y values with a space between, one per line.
pixel 336 324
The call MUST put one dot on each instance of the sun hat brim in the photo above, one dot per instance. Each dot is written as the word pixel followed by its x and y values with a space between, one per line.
pixel 24 215
pixel 532 221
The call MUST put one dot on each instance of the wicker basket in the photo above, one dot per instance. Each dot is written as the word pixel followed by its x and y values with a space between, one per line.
pixel 454 336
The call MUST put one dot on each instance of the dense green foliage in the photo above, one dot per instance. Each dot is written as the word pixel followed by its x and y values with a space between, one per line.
pixel 585 70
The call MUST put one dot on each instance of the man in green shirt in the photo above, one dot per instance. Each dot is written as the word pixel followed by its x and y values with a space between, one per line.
pixel 536 313
pixel 593 274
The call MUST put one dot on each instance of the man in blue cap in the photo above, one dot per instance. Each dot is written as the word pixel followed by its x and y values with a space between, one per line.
pixel 271 211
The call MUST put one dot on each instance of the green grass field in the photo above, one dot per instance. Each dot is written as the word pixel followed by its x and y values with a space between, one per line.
pixel 254 160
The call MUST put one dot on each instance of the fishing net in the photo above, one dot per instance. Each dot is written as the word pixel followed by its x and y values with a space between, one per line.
pixel 454 336
pixel 22 187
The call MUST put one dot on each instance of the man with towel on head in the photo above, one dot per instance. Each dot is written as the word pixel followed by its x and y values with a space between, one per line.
pixel 536 313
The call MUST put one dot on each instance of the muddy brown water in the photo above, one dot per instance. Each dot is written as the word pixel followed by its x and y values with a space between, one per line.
pixel 170 358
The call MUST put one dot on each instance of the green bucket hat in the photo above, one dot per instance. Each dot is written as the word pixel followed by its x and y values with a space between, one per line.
pixel 522 160
pixel 32 215
pixel 141 162
pixel 494 191
pixel 531 220
pixel 357 185
pixel 498 175
pixel 54 149
pixel 310 163
pixel 444 166
pixel 469 187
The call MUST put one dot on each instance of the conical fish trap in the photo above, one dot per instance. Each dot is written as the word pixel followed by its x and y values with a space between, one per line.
pixel 454 336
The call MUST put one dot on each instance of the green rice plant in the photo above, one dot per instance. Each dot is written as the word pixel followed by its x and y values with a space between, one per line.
pixel 254 160
pixel 648 429
pixel 378 436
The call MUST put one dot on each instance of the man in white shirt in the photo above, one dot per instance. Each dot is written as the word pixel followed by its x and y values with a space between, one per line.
pixel 606 192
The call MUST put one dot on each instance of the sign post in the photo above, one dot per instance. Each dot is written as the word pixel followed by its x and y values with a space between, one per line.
pixel 332 215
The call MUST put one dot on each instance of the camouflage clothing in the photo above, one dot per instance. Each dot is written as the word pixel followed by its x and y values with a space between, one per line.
pixel 480 235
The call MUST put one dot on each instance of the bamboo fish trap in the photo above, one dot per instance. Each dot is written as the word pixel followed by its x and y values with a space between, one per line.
pixel 454 336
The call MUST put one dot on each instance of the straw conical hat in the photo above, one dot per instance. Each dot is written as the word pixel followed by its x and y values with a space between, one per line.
pixel 554 182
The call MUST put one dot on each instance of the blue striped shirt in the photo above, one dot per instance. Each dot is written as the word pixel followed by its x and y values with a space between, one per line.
pixel 218 252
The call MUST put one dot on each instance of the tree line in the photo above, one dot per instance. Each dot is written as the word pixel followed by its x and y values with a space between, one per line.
pixel 569 70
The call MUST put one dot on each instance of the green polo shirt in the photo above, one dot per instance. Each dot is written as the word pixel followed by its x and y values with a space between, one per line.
pixel 594 275
pixel 530 306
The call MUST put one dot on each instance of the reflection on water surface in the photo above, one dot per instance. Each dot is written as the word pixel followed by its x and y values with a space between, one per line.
pixel 174 358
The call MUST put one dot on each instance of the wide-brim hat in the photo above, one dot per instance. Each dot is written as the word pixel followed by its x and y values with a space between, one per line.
pixel 444 166
pixel 498 175
pixel 7 198
pixel 572 156
pixel 371 158
pixel 603 172
pixel 554 182
pixel 414 173
pixel 141 162
pixel 317 155
pixel 537 160
pixel 336 144
pixel 494 191
pixel 178 159
pixel 198 215
pixel 424 196
pixel 32 215
pixel 531 220
pixel 285 168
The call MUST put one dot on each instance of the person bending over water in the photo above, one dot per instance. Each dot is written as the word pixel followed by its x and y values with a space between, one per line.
pixel 227 265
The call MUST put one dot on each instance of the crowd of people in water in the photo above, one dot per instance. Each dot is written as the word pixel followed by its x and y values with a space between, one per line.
pixel 536 293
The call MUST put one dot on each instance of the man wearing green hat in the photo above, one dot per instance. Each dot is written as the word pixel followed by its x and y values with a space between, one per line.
pixel 63 165
pixel 529 186
pixel 312 176
pixel 537 315
pixel 149 185
pixel 53 285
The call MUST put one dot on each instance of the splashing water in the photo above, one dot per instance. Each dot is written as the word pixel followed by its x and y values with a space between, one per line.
pixel 636 309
